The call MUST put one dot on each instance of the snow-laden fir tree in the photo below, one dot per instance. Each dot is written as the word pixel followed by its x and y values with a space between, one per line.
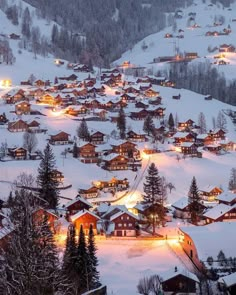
pixel 153 197
pixel 171 122
pixel 29 262
pixel 82 130
pixel 47 183
pixel 194 202
pixel 148 125
pixel 232 180
pixel 93 273
pixel 75 150
pixel 121 123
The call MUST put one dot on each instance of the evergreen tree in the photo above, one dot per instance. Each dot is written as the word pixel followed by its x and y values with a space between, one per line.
pixel 148 125
pixel 121 123
pixel 82 259
pixel 232 180
pixel 171 122
pixel 47 183
pixel 26 23
pixel 29 264
pixel 69 274
pixel 82 130
pixel 153 198
pixel 194 201
pixel 75 150
pixel 93 261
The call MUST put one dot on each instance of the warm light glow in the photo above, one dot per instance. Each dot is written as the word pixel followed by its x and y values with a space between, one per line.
pixel 178 149
pixel 60 239
pixel 5 83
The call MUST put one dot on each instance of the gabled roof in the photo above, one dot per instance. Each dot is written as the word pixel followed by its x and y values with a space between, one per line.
pixel 78 198
pixel 181 203
pixel 118 214
pixel 229 280
pixel 181 134
pixel 172 273
pixel 218 211
pixel 81 213
pixel 226 196
pixel 113 156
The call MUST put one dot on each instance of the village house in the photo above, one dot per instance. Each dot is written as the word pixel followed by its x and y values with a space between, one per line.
pixel 188 148
pixel 213 148
pixel 141 105
pixel 176 96
pixel 182 126
pixel 128 97
pixel 125 224
pixel 60 138
pixel 97 137
pixel 139 115
pixel 203 139
pixel 208 97
pixel 18 126
pixel 136 137
pixel 191 55
pixel 181 137
pixel 89 193
pixel 220 213
pixel 14 96
pixel 217 135
pixel 178 281
pixel 81 68
pixel 113 184
pixel 125 148
pixel 182 208
pixel 228 282
pixel 19 153
pixel 34 127
pixel 227 198
pixel 76 110
pixel 40 214
pixel 85 219
pixel 131 89
pixel 101 114
pixel 76 205
pixel 57 175
pixel 22 107
pixel 3 119
pixel 210 193
pixel 150 92
pixel 114 162
pixel 87 153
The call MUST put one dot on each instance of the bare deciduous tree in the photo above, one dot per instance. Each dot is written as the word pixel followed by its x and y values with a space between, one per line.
pixel 30 141
pixel 143 286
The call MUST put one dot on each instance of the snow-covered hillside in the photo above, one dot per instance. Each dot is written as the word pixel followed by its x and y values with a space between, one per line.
pixel 194 38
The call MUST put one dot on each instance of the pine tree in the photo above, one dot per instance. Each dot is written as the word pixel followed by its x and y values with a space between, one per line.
pixel 171 122
pixel 29 262
pixel 69 274
pixel 47 183
pixel 148 125
pixel 121 123
pixel 26 23
pixel 75 150
pixel 194 201
pixel 93 261
pixel 202 123
pixel 82 263
pixel 232 180
pixel 82 130
pixel 153 198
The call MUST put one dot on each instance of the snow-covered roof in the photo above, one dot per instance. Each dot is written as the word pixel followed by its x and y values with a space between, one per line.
pixel 210 239
pixel 202 136
pixel 78 198
pixel 181 203
pixel 118 214
pixel 226 196
pixel 172 273
pixel 81 213
pixel 187 144
pixel 229 280
pixel 218 211
pixel 208 188
pixel 181 134
pixel 111 157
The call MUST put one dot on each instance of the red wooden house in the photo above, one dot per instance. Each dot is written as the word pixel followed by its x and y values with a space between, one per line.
pixel 17 153
pixel 18 126
pixel 139 115
pixel 185 125
pixel 126 148
pixel 210 193
pixel 136 137
pixel 40 214
pixel 87 153
pixel 220 213
pixel 76 205
pixel 85 219
pixel 97 137
pixel 125 224
pixel 218 134
pixel 88 193
pixel 114 162
pixel 181 137
pixel 22 107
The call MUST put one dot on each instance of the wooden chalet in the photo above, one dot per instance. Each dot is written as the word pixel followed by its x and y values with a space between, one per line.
pixel 155 100
pixel 227 48
pixel 3 119
pixel 191 55
pixel 213 148
pixel 89 193
pixel 185 125
pixel 136 137
pixel 156 112
pixel 176 96
pixel 179 282
pixel 97 137
pixel 125 224
pixel 114 162
pixel 181 208
pixel 76 205
pixel 18 126
pixel 151 93
pixel 217 134
pixel 76 111
pixel 18 153
pixel 208 97
pixel 139 115
pixel 220 213
pixel 22 107
pixel 112 184
pixel 131 89
pixel 87 153
pixel 125 148
pixel 101 114
pixel 141 105
pixel 227 198
pixel 188 148
pixel 60 138
pixel 85 218
pixel 14 96
pixel 228 282
pixel 203 139
pixel 48 98
pixel 210 193
pixel 81 68
pixel 40 83
pixel 34 126
pixel 129 97
pixel 181 137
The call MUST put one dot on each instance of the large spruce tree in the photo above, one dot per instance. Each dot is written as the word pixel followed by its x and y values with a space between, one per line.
pixel 82 131
pixel 121 123
pixel 153 197
pixel 47 183
pixel 194 202
pixel 148 125
pixel 93 273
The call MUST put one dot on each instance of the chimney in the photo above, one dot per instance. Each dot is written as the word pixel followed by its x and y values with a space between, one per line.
pixel 176 269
